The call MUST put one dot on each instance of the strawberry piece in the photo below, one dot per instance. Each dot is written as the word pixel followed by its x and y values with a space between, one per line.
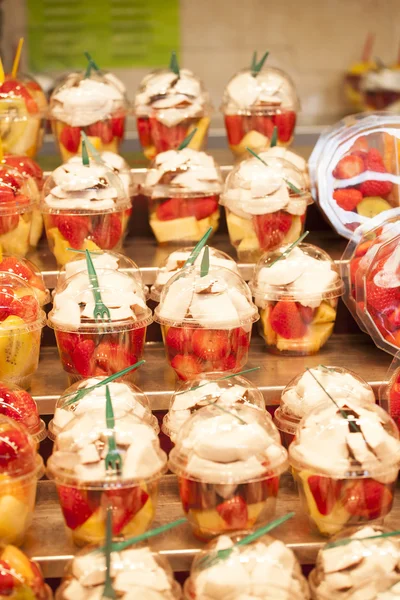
pixel 7 194
pixel 16 88
pixel 125 504
pixel 264 125
pixel 234 512
pixel 178 339
pixel 189 493
pixel 363 248
pixel 5 303
pixel 70 138
pixel 361 144
pixel 394 400
pixel 186 366
pixel 174 208
pixel 325 492
pixel 239 340
pixel 229 363
pixel 11 264
pixel 382 300
pixel 19 406
pixel 82 357
pixel 285 122
pixel 234 129
pixel 144 131
pixel 137 338
pixel 67 342
pixel 74 228
pixel 12 445
pixel 393 319
pixel 75 506
pixel 372 187
pixel 373 156
pixel 26 166
pixel 7 582
pixel 166 138
pixel 349 166
pixel 108 232
pixel 272 228
pixel 306 312
pixel 368 499
pixel 347 198
pixel 111 357
pixel 118 127
pixel 286 320
pixel 210 344
pixel 102 130
pixel 203 207
pixel 26 307
pixel 8 223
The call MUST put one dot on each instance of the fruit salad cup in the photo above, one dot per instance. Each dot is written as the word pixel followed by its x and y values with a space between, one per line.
pixel 345 460
pixel 176 261
pixel 84 207
pixel 18 405
pixel 297 297
pixel 228 464
pixel 254 104
pixel 206 321
pixel 264 569
pixel 265 205
pixel 127 398
pixel 90 347
pixel 168 107
pixel 25 269
pixel 86 488
pixel 137 574
pixel 361 565
pixel 21 324
pixel 23 108
pixel 304 393
pixel 183 189
pixel 389 391
pixel 20 468
pixel 381 89
pixel 95 105
pixel 20 577
pixel 211 388
pixel 354 169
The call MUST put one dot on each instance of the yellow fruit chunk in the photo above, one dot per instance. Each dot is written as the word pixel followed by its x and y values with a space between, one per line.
pixel 150 152
pixel 294 232
pixel 210 221
pixel 371 206
pixel 112 146
pixel 324 314
pixel 14 519
pixel 17 351
pixel 207 520
pixel 19 562
pixel 16 241
pixel 249 244
pixel 254 511
pixel 175 229
pixel 239 228
pixel 254 140
pixel 316 337
pixel 89 245
pixel 94 140
pixel 92 530
pixel 141 521
pixel 60 245
pixel 269 333
pixel 36 228
pixel 202 127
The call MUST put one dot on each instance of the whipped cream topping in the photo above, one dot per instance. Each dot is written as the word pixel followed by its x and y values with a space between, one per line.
pixel 360 570
pixel 171 99
pixel 115 163
pixel 288 155
pixel 183 171
pixel 135 573
pixel 80 101
pixel 299 399
pixel 383 79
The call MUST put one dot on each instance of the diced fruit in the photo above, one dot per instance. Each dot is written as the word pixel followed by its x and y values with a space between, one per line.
pixel 375 187
pixel 286 320
pixel 295 230
pixel 271 228
pixel 372 206
pixel 18 352
pixel 368 499
pixel 203 207
pixel 108 232
pixel 7 582
pixel 90 531
pixel 13 446
pixel 317 336
pixel 207 520
pixel 382 300
pixel 363 248
pixel 348 198
pixel 210 344
pixel 325 313
pixel 102 130
pixel 73 228
pixel 178 339
pixel 14 519
pixel 186 367
pixel 19 562
pixel 394 401
pixel 26 307
pixel 239 228
pixel 16 240
pixel 144 132
pixel 113 357
pixel 325 492
pixel 307 313
pixel 176 229
pixel 74 505
pixel 70 138
pixel 348 167
pixel 234 129
pixel 285 122
pixel 11 264
pixel 269 333
pixel 125 504
pixel 189 493
pixel 174 208
pixel 254 140
pixel 234 512
pixel 82 357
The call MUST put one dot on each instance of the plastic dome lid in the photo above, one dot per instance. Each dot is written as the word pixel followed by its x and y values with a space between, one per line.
pixel 176 261
pixel 208 388
pixel 25 269
pixel 74 304
pixel 389 391
pixel 219 300
pixel 357 440
pixel 17 404
pixel 17 450
pixel 18 194
pixel 217 446
pixel 127 398
pixel 26 166
pixel 117 164
pixel 19 306
pixel 21 99
pixel 22 574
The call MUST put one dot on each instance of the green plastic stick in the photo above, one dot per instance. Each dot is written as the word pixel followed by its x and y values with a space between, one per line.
pixel 274 139
pixel 119 546
pixel 85 155
pixel 288 183
pixel 108 591
pixel 173 64
pixel 259 65
pixel 205 263
pixel 197 249
pixel 288 250
pixel 187 140
pixel 347 541
pixel 196 387
pixel 90 60
pixel 92 149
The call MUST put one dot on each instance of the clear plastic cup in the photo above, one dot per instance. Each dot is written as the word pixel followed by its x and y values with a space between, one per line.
pixel 21 324
pixel 23 108
pixel 86 488
pixel 389 391
pixel 228 465
pixel 354 169
pixel 297 297
pixel 20 468
pixel 176 261
pixel 17 404
pixel 345 461
pixel 303 393
pixel 254 104
pixel 168 108
pixel 183 188
pixel 381 89
pixel 85 208
pixel 206 321
pixel 210 388
pixel 128 400
pixel 362 568
pixel 289 156
pixel 21 576
pixel 262 211
pixel 95 105
pixel 265 569
pixel 137 573
pixel 25 269
pixel 90 347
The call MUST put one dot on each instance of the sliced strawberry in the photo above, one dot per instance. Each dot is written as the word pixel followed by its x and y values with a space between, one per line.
pixel 203 207
pixel 368 499
pixel 74 228
pixel 229 363
pixel 23 407
pixel 178 339
pixel 16 88
pixel 144 131
pixel 112 357
pixel 13 443
pixel 325 492
pixel 306 312
pixel 82 357
pixel 234 129
pixel 382 300
pixel 102 130
pixel 26 307
pixel 363 248
pixel 70 138
pixel 371 187
pixel 26 166
pixel 234 512
pixel 240 340
pixel 67 342
pixel 186 366
pixel 285 122
pixel 264 124
pixel 349 166
pixel 11 264
pixel 394 400
pixel 374 156
pixel 166 138
pixel 5 304
pixel 137 339
pixel 361 143
pixel 7 581
pixel 125 504
pixel 118 127
pixel 75 506
pixel 272 228
pixel 189 493
pixel 174 208
pixel 210 344
pixel 108 232
pixel 347 198
pixel 286 320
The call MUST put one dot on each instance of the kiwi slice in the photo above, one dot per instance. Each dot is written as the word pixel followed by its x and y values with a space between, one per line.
pixel 371 206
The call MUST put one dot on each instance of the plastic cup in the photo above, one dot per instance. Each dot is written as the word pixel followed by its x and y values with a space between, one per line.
pixel 206 321
pixel 297 297
pixel 381 89
pixel 90 347
pixel 95 105
pixel 183 189
pixel 253 105
pixel 86 488
pixel 345 461
pixel 265 569
pixel 362 568
pixel 168 108
pixel 176 260
pixel 25 269
pixel 137 570
pixel 303 393
pixel 128 400
pixel 21 576
pixel 18 405
pixel 228 464
pixel 389 391
pixel 190 396
pixel 262 211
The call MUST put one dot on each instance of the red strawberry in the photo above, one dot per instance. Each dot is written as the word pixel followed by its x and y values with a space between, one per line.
pixel 118 126
pixel 374 156
pixel 25 166
pixel 285 122
pixel 16 88
pixel 234 512
pixel 234 129
pixel 272 228
pixel 325 492
pixel 70 138
pixel 186 366
pixel 11 264
pixel 189 493
pixel 306 312
pixel 349 166
pixel 375 187
pixel 230 363
pixel 179 339
pixel 67 342
pixel 125 504
pixel 6 300
pixel 74 228
pixel 174 208
pixel 361 143
pixel 164 137
pixel 108 232
pixel 102 130
pixel 7 193
pixel 13 443
pixel 7 582
pixel 363 248
pixel 82 357
pixel 8 223
pixel 111 357
pixel 368 499
pixel 382 300
pixel 264 124
pixel 209 344
pixel 144 131
pixel 75 506
pixel 23 407
pixel 347 198
pixel 203 207
pixel 394 319
pixel 394 400
pixel 137 338
pixel 286 320
pixel 239 340
pixel 26 307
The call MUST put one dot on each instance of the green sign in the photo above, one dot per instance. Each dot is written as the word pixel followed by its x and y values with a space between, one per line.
pixel 117 33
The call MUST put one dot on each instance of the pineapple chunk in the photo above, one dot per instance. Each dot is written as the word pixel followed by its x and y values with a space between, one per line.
pixel 249 244
pixel 317 336
pixel 14 519
pixel 294 232
pixel 171 231
pixel 16 241
pixel 239 228
pixel 141 521
pixel 197 140
pixel 269 334
pixel 324 314
pixel 210 221
pixel 254 140
pixel 91 531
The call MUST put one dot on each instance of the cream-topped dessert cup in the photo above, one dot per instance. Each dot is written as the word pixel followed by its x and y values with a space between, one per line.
pixel 381 89
pixel 345 459
pixel 21 576
pixel 263 210
pixel 90 348
pixel 85 207
pixel 304 393
pixel 206 321
pixel 228 464
pixel 297 297
pixel 18 404
pixel 28 271
pixel 183 188
pixel 86 488
pixel 168 108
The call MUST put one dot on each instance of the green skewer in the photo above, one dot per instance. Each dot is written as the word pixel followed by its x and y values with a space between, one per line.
pixel 173 64
pixel 196 387
pixel 288 250
pixel 92 149
pixel 288 183
pixel 100 311
pixel 85 155
pixel 90 60
pixel 274 139
pixel 108 591
pixel 257 66
pixel 113 459
pixel 205 263
pixel 197 249
pixel 347 541
pixel 187 140
pixel 119 546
